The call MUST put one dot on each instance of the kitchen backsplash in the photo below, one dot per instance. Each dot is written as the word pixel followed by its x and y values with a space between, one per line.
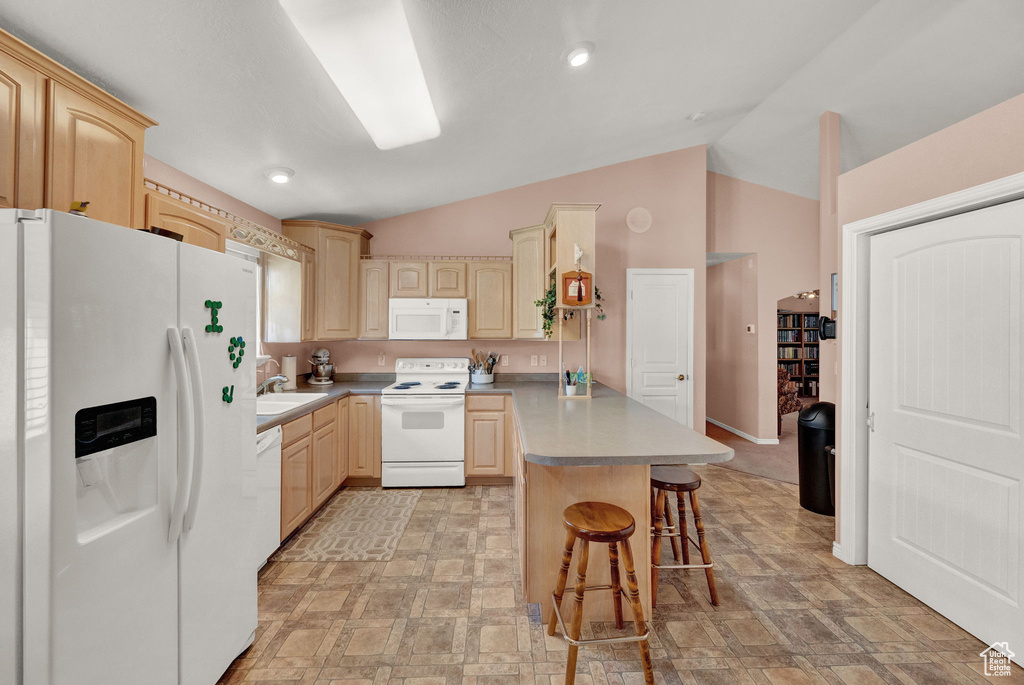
pixel 361 356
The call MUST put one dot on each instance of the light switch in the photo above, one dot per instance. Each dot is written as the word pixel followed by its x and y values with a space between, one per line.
pixel 380 358
pixel 750 328
pixel 504 360
pixel 533 360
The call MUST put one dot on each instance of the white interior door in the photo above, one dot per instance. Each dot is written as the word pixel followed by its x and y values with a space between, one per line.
pixel 659 340
pixel 946 455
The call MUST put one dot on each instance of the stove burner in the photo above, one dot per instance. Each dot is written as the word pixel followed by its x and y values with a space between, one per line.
pixel 447 386
pixel 411 383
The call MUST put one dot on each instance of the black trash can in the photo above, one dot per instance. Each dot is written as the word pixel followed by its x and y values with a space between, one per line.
pixel 816 430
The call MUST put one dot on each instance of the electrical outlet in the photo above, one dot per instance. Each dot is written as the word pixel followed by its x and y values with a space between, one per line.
pixel 380 358
pixel 533 360
pixel 504 360
pixel 543 360
pixel 751 329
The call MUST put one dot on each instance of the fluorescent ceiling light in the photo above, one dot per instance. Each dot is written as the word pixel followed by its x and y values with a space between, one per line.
pixel 367 49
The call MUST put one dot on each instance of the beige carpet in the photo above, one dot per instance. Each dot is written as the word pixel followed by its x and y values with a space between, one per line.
pixel 357 524
pixel 778 462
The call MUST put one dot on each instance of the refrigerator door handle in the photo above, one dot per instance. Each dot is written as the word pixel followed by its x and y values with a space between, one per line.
pixel 186 443
pixel 199 413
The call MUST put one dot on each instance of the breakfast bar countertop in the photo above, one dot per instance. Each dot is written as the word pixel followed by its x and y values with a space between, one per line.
pixel 608 430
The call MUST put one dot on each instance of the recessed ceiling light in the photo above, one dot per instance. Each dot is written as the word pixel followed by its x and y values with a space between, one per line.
pixel 280 174
pixel 579 54
pixel 366 48
pixel 697 116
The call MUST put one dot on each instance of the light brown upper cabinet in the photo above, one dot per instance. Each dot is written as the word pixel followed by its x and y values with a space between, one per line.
pixel 338 249
pixel 93 142
pixel 308 315
pixel 22 141
pixel 448 279
pixel 490 300
pixel 529 278
pixel 168 216
pixel 373 299
pixel 409 279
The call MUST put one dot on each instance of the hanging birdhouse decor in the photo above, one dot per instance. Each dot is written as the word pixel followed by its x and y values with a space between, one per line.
pixel 577 288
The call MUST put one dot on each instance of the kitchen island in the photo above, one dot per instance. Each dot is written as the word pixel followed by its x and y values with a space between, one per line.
pixel 600 449
pixel 567 451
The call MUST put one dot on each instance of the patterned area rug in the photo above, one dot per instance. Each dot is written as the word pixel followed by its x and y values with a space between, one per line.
pixel 358 524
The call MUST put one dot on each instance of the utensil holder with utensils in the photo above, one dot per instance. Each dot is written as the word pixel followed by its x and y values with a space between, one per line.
pixel 480 378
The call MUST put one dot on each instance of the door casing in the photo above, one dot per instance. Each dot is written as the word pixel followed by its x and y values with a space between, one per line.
pixel 852 546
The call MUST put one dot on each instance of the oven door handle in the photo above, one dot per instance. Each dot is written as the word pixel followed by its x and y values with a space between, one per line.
pixel 417 403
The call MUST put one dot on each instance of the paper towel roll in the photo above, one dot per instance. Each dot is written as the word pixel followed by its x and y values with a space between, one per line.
pixel 288 369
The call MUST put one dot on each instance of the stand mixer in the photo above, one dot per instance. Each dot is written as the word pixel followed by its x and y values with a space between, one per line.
pixel 323 369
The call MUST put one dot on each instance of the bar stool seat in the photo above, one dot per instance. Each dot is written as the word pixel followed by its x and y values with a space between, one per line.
pixel 602 523
pixel 680 480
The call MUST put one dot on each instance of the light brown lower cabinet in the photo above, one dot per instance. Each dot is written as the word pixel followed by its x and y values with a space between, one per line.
pixel 325 454
pixel 364 436
pixel 487 436
pixel 519 494
pixel 314 462
pixel 296 473
pixel 343 432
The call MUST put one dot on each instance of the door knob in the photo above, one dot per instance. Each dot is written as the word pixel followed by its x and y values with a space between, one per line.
pixel 682 376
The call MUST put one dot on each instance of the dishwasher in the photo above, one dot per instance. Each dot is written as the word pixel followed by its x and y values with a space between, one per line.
pixel 267 536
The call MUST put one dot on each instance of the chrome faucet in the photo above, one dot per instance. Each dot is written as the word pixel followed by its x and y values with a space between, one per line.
pixel 261 389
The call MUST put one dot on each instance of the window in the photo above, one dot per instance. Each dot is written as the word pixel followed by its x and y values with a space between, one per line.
pixel 254 255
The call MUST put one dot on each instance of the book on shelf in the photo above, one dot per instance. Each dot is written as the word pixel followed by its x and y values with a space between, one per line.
pixel 789 353
pixel 811 336
pixel 789 336
pixel 810 321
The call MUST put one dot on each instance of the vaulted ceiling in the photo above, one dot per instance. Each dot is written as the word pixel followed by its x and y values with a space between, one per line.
pixel 237 91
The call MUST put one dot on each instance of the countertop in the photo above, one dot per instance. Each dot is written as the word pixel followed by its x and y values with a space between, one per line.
pixel 608 430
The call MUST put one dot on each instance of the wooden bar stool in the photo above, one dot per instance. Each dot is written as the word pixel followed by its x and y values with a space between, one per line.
pixel 607 523
pixel 680 480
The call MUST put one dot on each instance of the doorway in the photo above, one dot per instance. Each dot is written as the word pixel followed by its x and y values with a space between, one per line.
pixel 931 395
pixel 659 340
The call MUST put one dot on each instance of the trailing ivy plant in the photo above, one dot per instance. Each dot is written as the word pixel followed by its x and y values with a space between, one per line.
pixel 547 306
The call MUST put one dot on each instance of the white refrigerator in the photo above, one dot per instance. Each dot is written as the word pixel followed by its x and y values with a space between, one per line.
pixel 127 455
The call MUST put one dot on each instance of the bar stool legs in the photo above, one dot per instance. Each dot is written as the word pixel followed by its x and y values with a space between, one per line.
pixel 682 481
pixel 614 534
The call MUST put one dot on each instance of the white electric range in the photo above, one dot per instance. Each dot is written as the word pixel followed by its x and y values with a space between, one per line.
pixel 423 422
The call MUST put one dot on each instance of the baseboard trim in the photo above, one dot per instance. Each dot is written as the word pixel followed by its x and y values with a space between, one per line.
pixel 745 436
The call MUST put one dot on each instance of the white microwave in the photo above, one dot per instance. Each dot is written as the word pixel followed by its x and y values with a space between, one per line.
pixel 427 319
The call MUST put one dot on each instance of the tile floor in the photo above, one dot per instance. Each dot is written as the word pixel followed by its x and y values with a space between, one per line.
pixel 448 609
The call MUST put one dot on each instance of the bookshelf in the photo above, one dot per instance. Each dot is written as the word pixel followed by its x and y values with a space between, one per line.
pixel 798 349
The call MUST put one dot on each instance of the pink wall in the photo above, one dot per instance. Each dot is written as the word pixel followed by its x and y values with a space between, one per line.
pixel 979 149
pixel 782 229
pixel 166 175
pixel 828 231
pixel 732 352
pixel 671 185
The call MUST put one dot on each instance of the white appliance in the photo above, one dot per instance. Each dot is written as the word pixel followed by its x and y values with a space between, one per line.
pixel 128 456
pixel 267 536
pixel 412 318
pixel 423 422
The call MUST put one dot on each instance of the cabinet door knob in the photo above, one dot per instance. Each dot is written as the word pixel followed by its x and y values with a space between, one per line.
pixel 682 376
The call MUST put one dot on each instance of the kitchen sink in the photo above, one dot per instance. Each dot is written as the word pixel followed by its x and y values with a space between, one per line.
pixel 279 403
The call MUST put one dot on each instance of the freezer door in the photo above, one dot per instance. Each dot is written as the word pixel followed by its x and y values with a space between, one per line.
pixel 100 420
pixel 217 576
pixel 10 501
